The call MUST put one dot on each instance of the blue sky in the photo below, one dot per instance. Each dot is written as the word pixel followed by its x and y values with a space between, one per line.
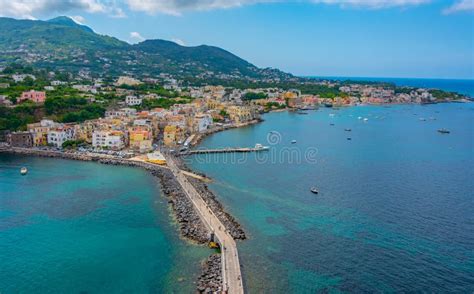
pixel 371 38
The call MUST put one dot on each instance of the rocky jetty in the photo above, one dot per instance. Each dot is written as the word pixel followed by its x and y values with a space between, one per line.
pixel 231 224
pixel 210 280
pixel 190 224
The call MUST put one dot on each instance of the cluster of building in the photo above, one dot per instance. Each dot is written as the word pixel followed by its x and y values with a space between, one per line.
pixel 137 131
pixel 124 127
pixel 369 94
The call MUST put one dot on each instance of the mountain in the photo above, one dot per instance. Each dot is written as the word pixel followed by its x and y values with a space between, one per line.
pixel 68 22
pixel 61 43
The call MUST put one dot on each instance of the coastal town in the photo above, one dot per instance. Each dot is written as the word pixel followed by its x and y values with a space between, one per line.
pixel 152 113
pixel 148 122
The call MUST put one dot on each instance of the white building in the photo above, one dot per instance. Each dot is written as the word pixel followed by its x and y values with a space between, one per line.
pixel 108 139
pixel 127 81
pixel 133 100
pixel 203 121
pixel 123 112
pixel 21 78
pixel 60 135
pixel 57 83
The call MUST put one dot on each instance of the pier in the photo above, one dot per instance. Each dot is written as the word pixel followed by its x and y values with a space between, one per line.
pixel 231 274
pixel 226 150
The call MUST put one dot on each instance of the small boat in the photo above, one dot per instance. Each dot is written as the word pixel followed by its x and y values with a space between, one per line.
pixel 422 119
pixel 23 171
pixel 314 190
pixel 331 124
pixel 360 117
pixel 293 141
pixel 444 131
pixel 349 138
pixel 366 119
pixel 259 146
pixel 348 130
pixel 329 105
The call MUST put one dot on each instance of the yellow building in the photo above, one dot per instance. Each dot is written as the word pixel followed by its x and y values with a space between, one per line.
pixel 156 157
pixel 240 114
pixel 170 135
pixel 214 104
pixel 39 133
pixel 140 139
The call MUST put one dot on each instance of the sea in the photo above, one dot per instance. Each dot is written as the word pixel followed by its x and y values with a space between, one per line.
pixel 461 86
pixel 394 213
pixel 82 227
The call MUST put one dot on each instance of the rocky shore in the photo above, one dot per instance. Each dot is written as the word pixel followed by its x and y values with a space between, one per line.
pixel 210 280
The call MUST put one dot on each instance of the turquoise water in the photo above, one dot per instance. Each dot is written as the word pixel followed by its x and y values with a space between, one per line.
pixel 395 209
pixel 464 86
pixel 80 227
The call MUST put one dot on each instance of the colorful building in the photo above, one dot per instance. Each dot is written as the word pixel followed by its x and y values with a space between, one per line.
pixel 108 139
pixel 35 96
pixel 140 139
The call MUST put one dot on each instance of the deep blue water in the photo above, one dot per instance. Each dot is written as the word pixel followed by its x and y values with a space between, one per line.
pixel 81 227
pixel 465 87
pixel 395 209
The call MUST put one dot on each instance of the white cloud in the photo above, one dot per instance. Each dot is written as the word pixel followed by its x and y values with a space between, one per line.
pixel 372 4
pixel 178 41
pixel 460 6
pixel 78 19
pixel 34 8
pixel 116 8
pixel 136 36
pixel 177 7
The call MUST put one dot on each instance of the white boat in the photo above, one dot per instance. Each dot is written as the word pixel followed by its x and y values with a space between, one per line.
pixel 366 119
pixel 259 146
pixel 293 141
pixel 360 117
pixel 23 171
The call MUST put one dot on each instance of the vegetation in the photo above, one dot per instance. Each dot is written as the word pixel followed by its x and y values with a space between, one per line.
pixel 17 118
pixel 438 94
pixel 254 96
pixel 73 144
pixel 166 103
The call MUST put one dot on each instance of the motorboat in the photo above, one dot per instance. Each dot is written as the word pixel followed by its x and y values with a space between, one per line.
pixel 444 131
pixel 293 141
pixel 314 190
pixel 23 171
pixel 259 147
pixel 348 130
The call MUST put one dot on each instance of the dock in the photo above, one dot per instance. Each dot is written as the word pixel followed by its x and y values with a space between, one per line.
pixel 231 274
pixel 226 150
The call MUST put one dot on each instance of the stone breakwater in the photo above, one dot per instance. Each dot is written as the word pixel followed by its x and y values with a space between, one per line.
pixel 231 224
pixel 210 280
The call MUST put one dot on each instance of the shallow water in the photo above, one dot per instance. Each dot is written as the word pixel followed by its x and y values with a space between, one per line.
pixel 81 227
